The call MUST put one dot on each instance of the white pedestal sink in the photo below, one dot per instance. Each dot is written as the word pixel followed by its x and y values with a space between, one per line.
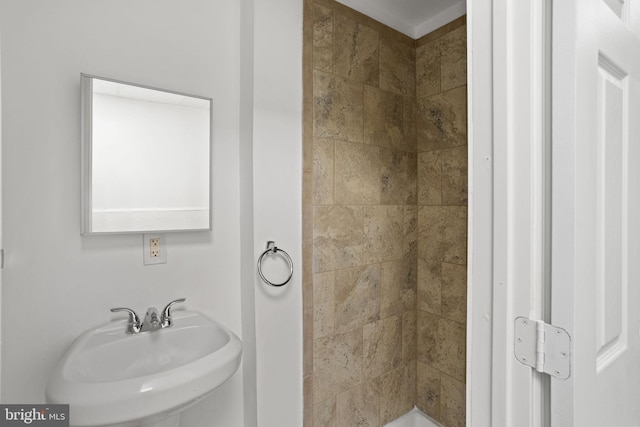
pixel 110 378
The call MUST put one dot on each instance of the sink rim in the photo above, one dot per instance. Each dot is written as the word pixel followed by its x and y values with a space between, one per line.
pixel 141 397
pixel 111 334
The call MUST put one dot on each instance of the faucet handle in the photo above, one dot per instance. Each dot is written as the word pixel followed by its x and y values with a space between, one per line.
pixel 165 319
pixel 134 325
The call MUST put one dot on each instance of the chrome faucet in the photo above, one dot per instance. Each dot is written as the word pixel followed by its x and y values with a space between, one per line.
pixel 134 325
pixel 152 319
pixel 165 319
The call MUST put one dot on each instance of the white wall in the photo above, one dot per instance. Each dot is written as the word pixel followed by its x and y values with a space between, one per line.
pixel 55 282
pixel 277 181
pixel 246 55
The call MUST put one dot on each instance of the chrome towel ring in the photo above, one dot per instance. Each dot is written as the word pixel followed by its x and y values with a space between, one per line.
pixel 273 249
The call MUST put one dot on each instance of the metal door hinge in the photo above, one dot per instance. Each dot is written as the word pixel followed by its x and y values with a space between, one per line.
pixel 544 347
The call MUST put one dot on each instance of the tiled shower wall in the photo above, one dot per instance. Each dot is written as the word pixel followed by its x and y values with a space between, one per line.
pixel 442 223
pixel 364 233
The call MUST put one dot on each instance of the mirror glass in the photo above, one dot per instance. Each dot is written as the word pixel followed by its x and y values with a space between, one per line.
pixel 146 158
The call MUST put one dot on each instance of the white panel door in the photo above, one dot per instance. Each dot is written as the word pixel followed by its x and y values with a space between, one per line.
pixel 596 210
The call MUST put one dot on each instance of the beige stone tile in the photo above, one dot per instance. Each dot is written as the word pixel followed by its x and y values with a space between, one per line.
pixel 442 120
pixel 410 244
pixel 337 364
pixel 322 38
pixel 428 69
pixel 383 118
pixel 452 342
pixel 307 341
pixel 307 206
pixel 412 179
pixel 323 59
pixel 453 402
pixel 442 233
pixel 383 233
pixel 307 102
pixel 409 336
pixel 307 141
pixel 454 292
pixel 430 178
pixel 409 274
pixel 307 270
pixel 398 286
pixel 410 124
pixel 355 50
pixel 454 176
pixel 429 296
pixel 323 166
pixel 399 177
pixel 398 391
pixel 324 413
pixel 322 26
pixel 442 344
pixel 338 237
pixel 337 108
pixel 357 174
pixel 359 406
pixel 376 301
pixel 382 342
pixel 394 181
pixel 428 390
pixel 397 67
pixel 428 349
pixel 453 48
pixel 357 295
pixel 307 387
pixel 324 304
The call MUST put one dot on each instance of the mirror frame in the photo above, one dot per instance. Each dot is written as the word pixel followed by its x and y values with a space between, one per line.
pixel 86 152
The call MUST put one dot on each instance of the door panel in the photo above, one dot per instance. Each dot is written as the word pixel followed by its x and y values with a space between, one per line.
pixel 596 210
pixel 611 283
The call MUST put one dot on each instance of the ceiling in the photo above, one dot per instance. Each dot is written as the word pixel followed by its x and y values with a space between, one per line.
pixel 414 18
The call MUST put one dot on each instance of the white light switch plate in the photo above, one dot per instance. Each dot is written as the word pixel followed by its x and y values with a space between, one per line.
pixel 154 249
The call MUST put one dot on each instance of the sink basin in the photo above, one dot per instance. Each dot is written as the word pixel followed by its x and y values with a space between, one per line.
pixel 109 377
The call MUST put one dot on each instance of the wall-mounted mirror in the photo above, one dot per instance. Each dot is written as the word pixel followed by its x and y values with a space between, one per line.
pixel 145 158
